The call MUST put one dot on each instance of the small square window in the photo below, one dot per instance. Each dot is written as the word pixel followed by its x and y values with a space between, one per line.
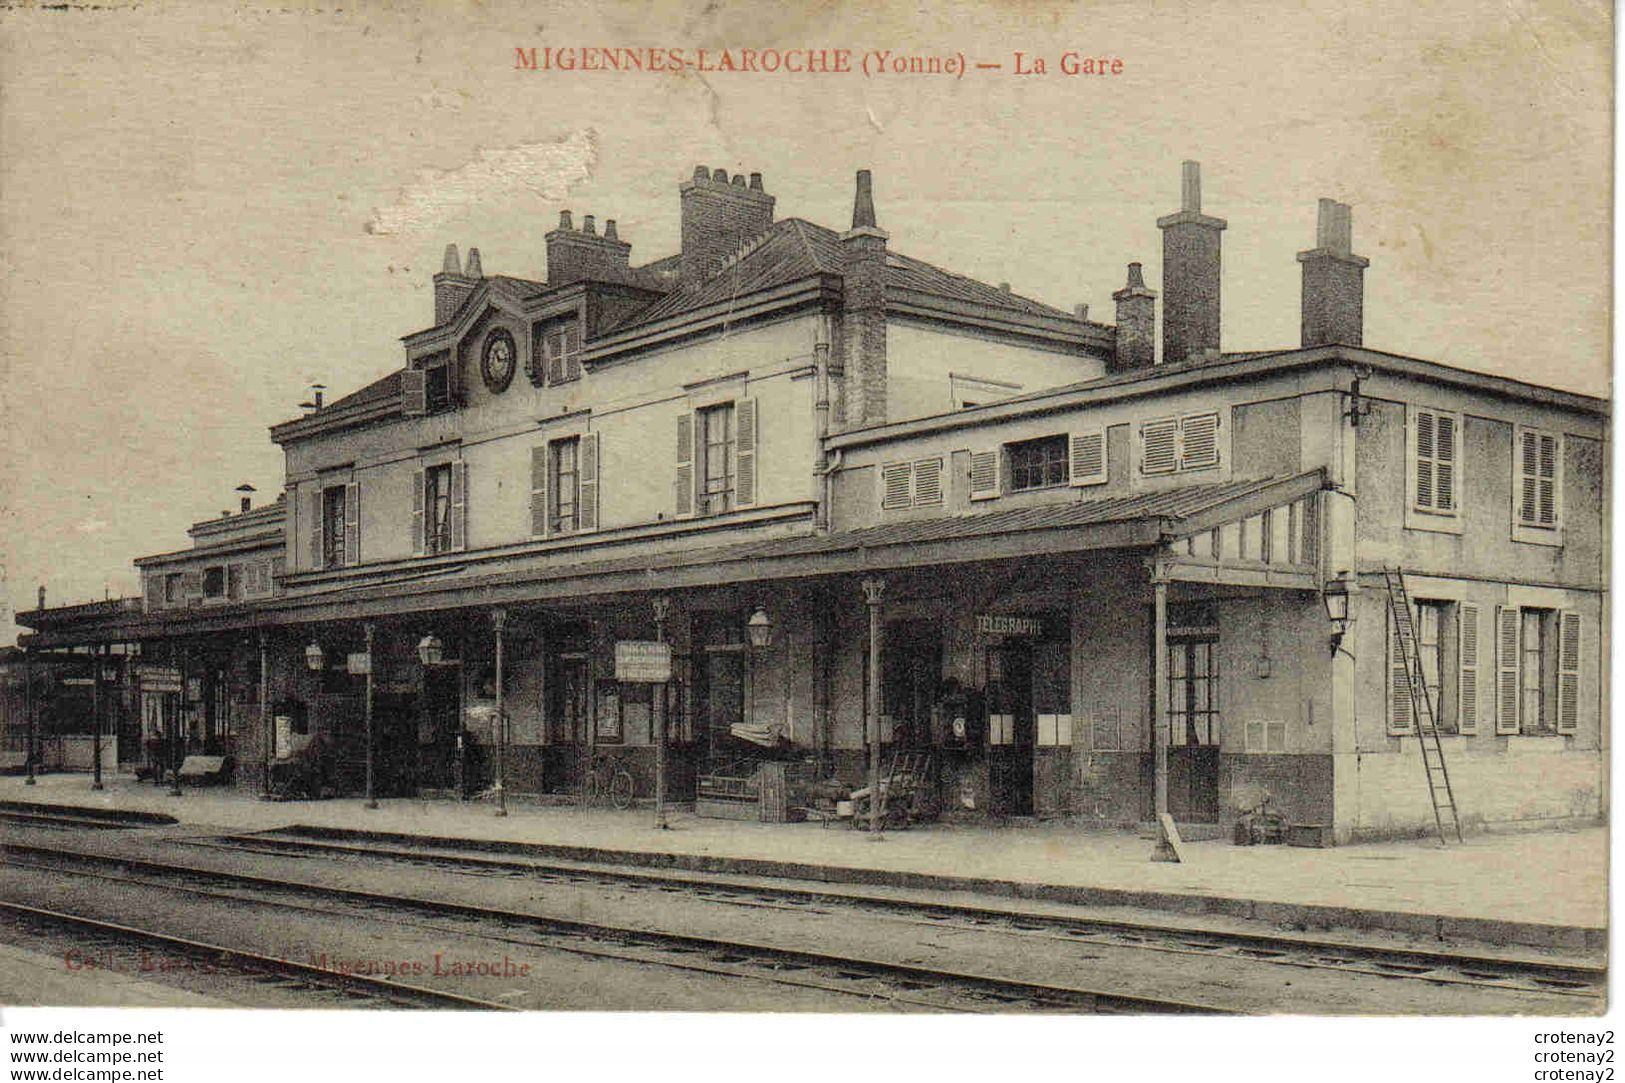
pixel 1038 464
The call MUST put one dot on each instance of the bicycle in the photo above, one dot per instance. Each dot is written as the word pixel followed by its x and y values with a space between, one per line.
pixel 608 781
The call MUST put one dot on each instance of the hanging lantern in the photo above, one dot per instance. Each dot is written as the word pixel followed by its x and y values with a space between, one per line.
pixel 430 650
pixel 314 658
pixel 760 629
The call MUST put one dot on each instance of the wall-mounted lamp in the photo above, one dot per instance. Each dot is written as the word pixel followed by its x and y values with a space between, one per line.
pixel 760 629
pixel 430 650
pixel 1359 405
pixel 1336 597
pixel 314 658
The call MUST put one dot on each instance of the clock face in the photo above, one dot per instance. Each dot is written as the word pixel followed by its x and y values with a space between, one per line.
pixel 498 360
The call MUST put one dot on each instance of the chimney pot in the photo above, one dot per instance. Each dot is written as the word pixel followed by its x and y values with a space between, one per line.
pixel 565 221
pixel 42 596
pixel 739 180
pixel 452 263
pixel 473 269
pixel 1004 287
pixel 1136 276
pixel 720 176
pixel 245 503
pixel 863 205
pixel 1333 311
pixel 1191 187
pixel 1081 311
pixel 756 182
pixel 700 173
pixel 609 230
pixel 589 226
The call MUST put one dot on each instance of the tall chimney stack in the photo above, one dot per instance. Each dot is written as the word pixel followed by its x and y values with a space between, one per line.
pixel 452 286
pixel 718 217
pixel 1190 273
pixel 863 308
pixel 1333 281
pixel 1136 345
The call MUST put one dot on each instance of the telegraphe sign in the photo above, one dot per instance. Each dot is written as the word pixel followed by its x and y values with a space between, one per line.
pixel 359 663
pixel 992 624
pixel 642 661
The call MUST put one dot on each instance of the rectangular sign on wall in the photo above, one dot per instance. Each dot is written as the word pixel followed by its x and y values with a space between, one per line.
pixel 642 661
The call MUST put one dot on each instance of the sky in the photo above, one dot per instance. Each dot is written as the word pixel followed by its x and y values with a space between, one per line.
pixel 204 209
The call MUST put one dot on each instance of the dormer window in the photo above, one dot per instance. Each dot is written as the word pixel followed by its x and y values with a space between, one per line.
pixel 561 350
pixel 426 385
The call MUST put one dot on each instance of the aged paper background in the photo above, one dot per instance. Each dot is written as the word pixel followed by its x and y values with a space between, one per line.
pixel 204 208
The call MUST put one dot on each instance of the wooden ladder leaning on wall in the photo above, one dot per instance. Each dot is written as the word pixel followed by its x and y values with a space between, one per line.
pixel 1427 730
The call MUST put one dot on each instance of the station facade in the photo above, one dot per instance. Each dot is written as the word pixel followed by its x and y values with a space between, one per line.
pixel 1073 552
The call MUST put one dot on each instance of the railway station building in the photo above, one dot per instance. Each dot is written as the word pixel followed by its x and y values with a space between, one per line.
pixel 1090 570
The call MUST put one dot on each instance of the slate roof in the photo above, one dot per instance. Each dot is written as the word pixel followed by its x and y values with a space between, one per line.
pixel 387 387
pixel 793 249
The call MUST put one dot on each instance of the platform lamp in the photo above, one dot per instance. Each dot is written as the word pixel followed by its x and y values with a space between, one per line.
pixel 1335 596
pixel 760 629
pixel 431 650
pixel 314 657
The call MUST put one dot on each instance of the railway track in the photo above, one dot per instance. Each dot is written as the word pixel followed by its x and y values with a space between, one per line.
pixel 218 962
pixel 1518 973
pixel 897 984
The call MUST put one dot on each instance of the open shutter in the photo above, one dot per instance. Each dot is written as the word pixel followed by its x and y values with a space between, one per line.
pixel 984 474
pixel 683 486
pixel 1199 441
pixel 315 504
pixel 414 392
pixel 1088 458
pixel 1546 481
pixel 1159 451
pixel 1506 670
pixel 1424 458
pixel 1444 468
pixel 1401 713
pixel 352 523
pixel 587 490
pixel 745 418
pixel 1467 685
pixel 896 481
pixel 538 490
pixel 459 506
pixel 1529 478
pixel 1568 671
pixel 928 483
pixel 417 514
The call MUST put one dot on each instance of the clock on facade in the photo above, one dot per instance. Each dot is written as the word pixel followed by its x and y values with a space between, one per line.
pixel 497 362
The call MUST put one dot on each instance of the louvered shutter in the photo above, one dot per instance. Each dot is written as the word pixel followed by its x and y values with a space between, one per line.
pixel 155 592
pixel 1401 709
pixel 683 486
pixel 1506 670
pixel 1444 463
pixel 1529 478
pixel 1568 671
pixel 352 523
pixel 417 513
pixel 414 392
pixel 1424 459
pixel 928 483
pixel 984 474
pixel 538 490
pixel 1467 685
pixel 1088 458
pixel 746 452
pixel 587 490
pixel 1546 481
pixel 316 528
pixel 895 485
pixel 1159 452
pixel 192 587
pixel 459 506
pixel 1199 441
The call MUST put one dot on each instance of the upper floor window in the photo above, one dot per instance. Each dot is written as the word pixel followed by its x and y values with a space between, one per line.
pixel 916 484
pixel 561 345
pixel 214 582
pixel 1175 444
pixel 717 447
pixel 172 588
pixel 565 485
pixel 437 502
pixel 1435 436
pixel 426 385
pixel 1537 490
pixel 333 506
pixel 1038 464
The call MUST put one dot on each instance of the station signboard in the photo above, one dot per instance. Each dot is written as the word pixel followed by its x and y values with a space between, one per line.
pixel 642 661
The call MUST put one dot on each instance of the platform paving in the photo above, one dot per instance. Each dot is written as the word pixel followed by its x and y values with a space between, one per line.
pixel 1547 888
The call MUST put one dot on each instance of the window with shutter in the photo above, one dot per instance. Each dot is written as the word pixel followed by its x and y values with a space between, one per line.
pixel 419 524
pixel 745 410
pixel 1401 710
pixel 1199 441
pixel 589 488
pixel 1037 464
pixel 716 445
pixel 1537 489
pixel 1506 670
pixel 927 483
pixel 538 490
pixel 984 475
pixel 683 484
pixel 314 529
pixel 1159 451
pixel 1435 478
pixel 1088 465
pixel 155 593
pixel 1568 672
pixel 896 484
pixel 459 506
pixel 352 523
pixel 414 393
pixel 1467 683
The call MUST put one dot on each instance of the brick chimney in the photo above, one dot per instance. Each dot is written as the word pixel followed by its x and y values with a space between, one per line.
pixel 863 305
pixel 1190 274
pixel 1136 345
pixel 719 216
pixel 573 255
pixel 1333 281
pixel 452 286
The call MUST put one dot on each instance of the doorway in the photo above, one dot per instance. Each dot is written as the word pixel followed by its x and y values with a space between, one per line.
pixel 568 713
pixel 1011 728
pixel 1193 728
